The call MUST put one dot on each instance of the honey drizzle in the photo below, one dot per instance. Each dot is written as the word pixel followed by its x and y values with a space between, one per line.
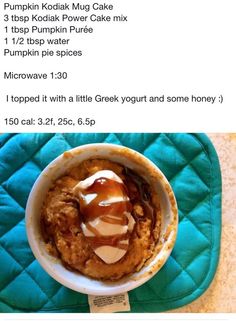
pixel 113 241
pixel 120 221
pixel 105 189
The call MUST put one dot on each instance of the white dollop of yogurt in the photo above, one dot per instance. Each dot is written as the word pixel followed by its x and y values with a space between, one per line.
pixel 109 254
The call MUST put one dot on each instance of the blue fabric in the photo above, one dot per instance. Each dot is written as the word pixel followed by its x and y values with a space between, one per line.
pixel 190 163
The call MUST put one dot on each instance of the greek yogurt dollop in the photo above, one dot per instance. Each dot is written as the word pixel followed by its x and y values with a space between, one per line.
pixel 107 222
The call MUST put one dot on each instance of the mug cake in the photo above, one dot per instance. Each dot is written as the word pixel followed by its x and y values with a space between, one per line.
pixel 101 219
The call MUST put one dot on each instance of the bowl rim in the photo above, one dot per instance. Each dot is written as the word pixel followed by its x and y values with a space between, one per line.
pixel 121 287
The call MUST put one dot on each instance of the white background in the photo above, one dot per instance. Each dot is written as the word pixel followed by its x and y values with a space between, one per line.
pixel 171 47
pixel 167 47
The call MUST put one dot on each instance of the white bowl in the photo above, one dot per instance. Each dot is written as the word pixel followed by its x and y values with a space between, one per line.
pixel 128 158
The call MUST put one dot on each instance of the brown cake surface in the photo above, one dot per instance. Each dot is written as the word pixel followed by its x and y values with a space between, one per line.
pixel 61 220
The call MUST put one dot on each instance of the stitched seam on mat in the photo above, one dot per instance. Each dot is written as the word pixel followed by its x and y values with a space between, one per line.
pixel 12 228
pixel 12 256
pixel 191 165
pixel 52 298
pixel 185 270
pixel 195 257
pixel 20 206
pixel 64 137
pixel 188 164
pixel 195 206
pixel 12 135
pixel 153 141
pixel 185 165
pixel 45 309
pixel 24 269
pixel 204 236
pixel 186 216
pixel 22 309
pixel 28 159
pixel 34 161
pixel 150 287
pixel 17 274
pixel 177 275
pixel 6 191
pixel 5 286
pixel 189 219
pixel 118 138
pixel 108 135
pixel 49 298
pixel 12 197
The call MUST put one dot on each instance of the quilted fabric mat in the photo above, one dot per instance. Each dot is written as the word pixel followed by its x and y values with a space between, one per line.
pixel 190 163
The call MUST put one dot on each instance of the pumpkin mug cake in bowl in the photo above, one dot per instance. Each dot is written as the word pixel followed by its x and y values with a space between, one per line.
pixel 101 219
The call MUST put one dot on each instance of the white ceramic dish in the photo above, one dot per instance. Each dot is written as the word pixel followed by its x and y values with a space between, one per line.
pixel 128 158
